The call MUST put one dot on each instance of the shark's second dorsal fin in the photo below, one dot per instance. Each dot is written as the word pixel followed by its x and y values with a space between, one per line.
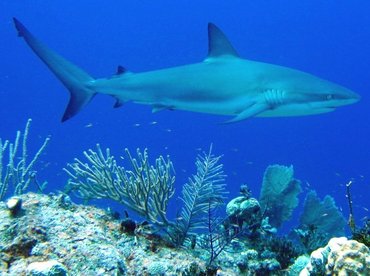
pixel 218 43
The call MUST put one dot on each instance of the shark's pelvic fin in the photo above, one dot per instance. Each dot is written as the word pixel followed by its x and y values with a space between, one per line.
pixel 74 78
pixel 218 43
pixel 118 103
pixel 249 112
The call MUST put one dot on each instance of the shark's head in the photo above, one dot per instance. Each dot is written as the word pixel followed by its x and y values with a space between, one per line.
pixel 305 94
pixel 323 96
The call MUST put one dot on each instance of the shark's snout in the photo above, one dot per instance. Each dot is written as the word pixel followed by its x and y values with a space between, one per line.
pixel 354 97
pixel 346 96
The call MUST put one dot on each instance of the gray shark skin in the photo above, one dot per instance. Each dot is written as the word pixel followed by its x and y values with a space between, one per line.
pixel 222 84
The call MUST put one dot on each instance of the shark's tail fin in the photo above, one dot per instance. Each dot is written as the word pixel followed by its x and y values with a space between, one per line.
pixel 74 78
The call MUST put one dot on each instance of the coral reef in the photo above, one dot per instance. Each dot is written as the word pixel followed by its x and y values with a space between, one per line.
pixel 298 265
pixel 258 264
pixel 147 189
pixel 50 235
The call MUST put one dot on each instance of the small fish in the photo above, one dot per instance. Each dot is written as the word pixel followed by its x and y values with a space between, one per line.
pixel 89 125
pixel 136 125
pixel 153 123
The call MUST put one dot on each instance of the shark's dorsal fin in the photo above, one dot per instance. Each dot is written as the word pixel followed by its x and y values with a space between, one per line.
pixel 120 70
pixel 218 43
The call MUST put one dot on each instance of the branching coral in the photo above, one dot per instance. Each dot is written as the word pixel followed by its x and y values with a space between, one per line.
pixel 19 171
pixel 145 188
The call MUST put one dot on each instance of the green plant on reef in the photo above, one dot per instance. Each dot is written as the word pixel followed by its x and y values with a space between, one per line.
pixel 363 234
pixel 311 237
pixel 285 251
pixel 359 234
pixel 19 171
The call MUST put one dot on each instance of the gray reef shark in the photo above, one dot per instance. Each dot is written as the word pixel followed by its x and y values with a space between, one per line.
pixel 222 84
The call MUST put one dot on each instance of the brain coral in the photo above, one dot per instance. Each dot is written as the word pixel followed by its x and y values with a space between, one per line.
pixel 341 257
pixel 348 257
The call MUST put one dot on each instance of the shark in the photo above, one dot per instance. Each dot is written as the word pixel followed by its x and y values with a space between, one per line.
pixel 223 83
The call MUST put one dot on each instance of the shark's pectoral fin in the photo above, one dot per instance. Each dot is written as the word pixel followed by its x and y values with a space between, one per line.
pixel 249 112
pixel 159 107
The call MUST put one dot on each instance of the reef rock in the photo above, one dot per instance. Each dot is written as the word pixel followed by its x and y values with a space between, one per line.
pixel 47 268
pixel 53 236
pixel 243 209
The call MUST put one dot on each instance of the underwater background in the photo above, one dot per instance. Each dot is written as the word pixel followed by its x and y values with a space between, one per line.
pixel 330 39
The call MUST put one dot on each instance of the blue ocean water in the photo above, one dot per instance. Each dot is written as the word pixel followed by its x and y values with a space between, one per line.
pixel 329 39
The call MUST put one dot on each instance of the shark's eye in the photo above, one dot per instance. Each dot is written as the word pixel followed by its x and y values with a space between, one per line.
pixel 329 97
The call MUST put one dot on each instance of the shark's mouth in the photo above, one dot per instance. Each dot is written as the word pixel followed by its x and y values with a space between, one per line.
pixel 296 110
pixel 328 109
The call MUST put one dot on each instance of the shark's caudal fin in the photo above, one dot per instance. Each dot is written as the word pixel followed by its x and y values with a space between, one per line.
pixel 69 74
